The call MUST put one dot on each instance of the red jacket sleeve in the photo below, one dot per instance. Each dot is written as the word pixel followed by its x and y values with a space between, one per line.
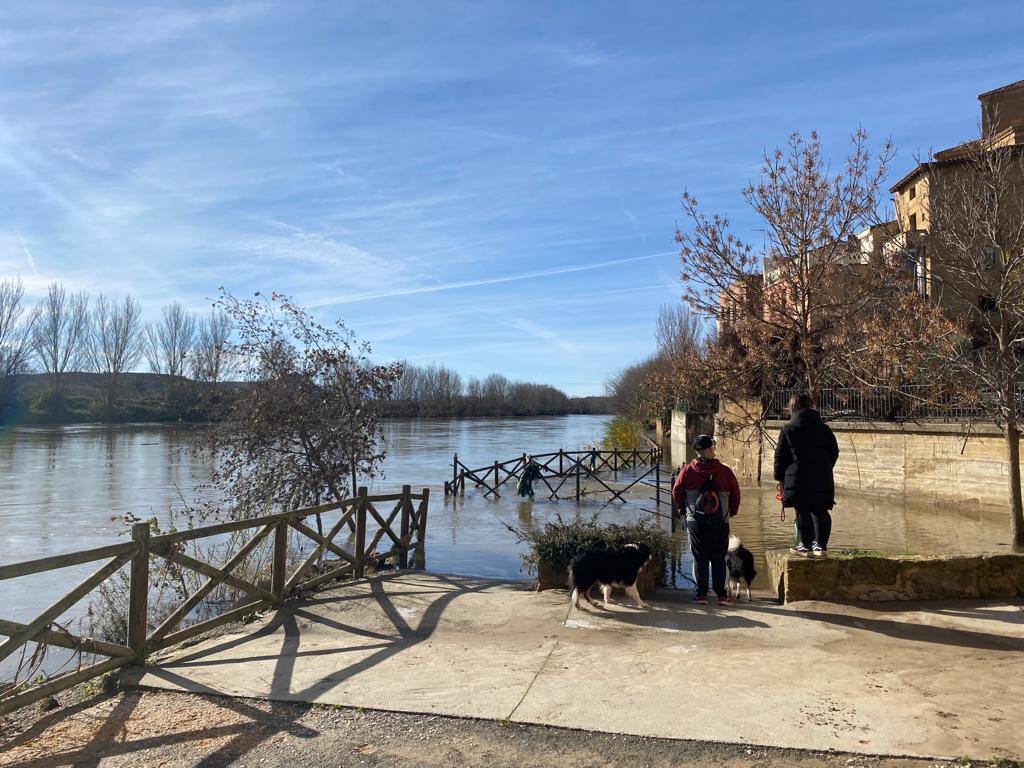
pixel 733 486
pixel 679 492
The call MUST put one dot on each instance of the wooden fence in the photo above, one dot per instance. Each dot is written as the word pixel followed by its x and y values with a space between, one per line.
pixel 357 513
pixel 558 468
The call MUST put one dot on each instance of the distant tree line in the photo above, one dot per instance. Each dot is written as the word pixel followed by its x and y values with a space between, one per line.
pixel 86 352
pixel 435 390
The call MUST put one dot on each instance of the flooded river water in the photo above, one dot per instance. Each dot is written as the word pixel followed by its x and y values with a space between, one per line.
pixel 64 489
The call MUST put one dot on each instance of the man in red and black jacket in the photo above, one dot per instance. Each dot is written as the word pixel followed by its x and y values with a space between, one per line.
pixel 707 493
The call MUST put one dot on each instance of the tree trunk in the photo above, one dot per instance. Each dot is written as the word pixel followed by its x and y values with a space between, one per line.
pixel 1016 507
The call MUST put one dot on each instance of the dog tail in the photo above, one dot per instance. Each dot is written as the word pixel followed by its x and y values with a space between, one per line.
pixel 574 593
pixel 734 543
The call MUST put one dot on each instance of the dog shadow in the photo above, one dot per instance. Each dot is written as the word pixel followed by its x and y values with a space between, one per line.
pixel 671 615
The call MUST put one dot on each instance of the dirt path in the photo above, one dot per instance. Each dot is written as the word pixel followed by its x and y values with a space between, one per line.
pixel 176 730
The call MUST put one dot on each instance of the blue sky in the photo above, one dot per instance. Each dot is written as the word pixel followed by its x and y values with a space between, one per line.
pixel 492 186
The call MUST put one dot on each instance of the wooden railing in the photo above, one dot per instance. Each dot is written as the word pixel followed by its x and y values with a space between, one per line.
pixel 409 514
pixel 557 469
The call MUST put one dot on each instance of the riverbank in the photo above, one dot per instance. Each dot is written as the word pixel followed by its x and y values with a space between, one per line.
pixel 810 675
pixel 178 730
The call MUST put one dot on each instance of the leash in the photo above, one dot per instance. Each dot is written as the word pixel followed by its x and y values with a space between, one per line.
pixel 778 495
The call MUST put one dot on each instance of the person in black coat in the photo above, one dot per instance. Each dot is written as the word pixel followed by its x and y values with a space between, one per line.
pixel 804 457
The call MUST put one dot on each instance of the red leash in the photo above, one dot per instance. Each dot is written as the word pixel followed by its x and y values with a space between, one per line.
pixel 778 495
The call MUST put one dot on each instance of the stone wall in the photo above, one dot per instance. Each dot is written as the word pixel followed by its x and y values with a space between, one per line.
pixel 930 461
pixel 895 577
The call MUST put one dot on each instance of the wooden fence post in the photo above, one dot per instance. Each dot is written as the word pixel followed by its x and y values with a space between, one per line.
pixel 420 558
pixel 561 471
pixel 455 473
pixel 138 592
pixel 577 479
pixel 495 473
pixel 403 555
pixel 360 542
pixel 278 573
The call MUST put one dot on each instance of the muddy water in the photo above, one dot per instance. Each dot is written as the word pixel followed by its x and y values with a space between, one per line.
pixel 63 489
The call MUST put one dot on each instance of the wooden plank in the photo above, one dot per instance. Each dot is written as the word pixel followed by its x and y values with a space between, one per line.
pixel 205 626
pixel 61 639
pixel 241 525
pixel 361 534
pixel 329 545
pixel 28 567
pixel 211 571
pixel 196 597
pixel 279 565
pixel 62 683
pixel 55 610
pixel 385 525
pixel 331 575
pixel 319 549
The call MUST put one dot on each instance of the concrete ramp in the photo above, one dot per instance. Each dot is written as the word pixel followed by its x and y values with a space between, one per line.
pixel 937 680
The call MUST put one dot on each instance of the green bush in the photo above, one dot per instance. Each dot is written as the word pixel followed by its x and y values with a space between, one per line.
pixel 558 542
pixel 624 434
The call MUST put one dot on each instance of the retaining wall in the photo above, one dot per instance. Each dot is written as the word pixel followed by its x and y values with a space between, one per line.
pixel 953 461
pixel 895 577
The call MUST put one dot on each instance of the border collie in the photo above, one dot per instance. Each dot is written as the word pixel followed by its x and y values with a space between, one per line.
pixel 609 568
pixel 740 564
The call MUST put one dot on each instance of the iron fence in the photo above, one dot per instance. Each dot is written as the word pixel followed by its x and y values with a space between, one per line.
pixel 908 403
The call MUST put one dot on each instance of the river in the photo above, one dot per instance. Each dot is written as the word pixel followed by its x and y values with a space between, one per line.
pixel 69 488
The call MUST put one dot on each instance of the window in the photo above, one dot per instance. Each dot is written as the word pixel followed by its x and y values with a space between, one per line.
pixel 913 192
pixel 913 221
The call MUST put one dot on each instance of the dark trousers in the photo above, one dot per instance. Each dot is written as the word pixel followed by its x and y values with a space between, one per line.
pixel 815 524
pixel 709 540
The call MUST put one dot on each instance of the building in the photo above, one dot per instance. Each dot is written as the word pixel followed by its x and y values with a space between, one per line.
pixel 1002 123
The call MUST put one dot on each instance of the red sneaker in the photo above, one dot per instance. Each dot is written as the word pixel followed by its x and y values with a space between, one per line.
pixel 724 600
pixel 701 599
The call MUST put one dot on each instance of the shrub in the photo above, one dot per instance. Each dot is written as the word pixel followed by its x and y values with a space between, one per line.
pixel 623 434
pixel 554 546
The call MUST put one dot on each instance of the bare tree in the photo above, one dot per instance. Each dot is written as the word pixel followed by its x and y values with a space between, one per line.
pixel 813 277
pixel 117 341
pixel 169 342
pixel 975 260
pixel 15 339
pixel 307 422
pixel 211 358
pixel 678 332
pixel 60 333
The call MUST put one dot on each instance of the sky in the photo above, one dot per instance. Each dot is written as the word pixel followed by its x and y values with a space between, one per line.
pixel 493 186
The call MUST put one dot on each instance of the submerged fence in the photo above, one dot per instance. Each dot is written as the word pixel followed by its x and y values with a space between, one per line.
pixel 360 514
pixel 555 470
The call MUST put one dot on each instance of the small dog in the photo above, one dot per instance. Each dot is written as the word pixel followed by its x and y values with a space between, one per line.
pixel 740 564
pixel 609 568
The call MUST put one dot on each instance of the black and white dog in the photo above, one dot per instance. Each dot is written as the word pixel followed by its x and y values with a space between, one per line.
pixel 740 564
pixel 609 568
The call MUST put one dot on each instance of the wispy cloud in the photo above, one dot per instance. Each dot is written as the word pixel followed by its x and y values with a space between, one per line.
pixel 485 281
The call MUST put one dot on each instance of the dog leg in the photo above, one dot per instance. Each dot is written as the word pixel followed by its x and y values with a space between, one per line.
pixel 606 592
pixel 634 593
pixel 574 599
pixel 589 598
pixel 748 593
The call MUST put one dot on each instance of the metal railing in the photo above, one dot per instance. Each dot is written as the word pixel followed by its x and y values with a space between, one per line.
pixel 908 403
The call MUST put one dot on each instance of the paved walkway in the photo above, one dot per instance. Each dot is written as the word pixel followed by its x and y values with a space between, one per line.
pixel 936 680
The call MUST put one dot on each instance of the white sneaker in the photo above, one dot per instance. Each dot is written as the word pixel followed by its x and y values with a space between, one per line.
pixel 817 551
pixel 801 550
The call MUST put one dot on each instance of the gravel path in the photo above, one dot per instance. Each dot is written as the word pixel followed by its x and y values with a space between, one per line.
pixel 157 728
